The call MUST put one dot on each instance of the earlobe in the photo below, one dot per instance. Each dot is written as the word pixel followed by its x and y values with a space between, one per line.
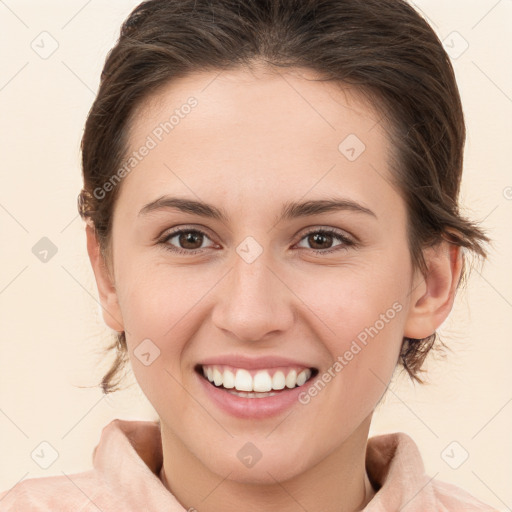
pixel 106 289
pixel 433 295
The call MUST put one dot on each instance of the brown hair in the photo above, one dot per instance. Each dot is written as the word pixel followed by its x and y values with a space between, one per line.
pixel 383 47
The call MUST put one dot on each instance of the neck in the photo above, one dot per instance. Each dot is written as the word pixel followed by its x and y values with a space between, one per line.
pixel 338 483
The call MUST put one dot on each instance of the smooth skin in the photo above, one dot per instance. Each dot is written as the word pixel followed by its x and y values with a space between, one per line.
pixel 257 140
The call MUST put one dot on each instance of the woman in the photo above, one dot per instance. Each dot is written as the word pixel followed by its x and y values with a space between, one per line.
pixel 270 190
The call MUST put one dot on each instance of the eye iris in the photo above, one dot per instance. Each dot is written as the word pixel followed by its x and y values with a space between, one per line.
pixel 189 237
pixel 317 238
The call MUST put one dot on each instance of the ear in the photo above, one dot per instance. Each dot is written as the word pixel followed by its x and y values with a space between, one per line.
pixel 432 295
pixel 106 289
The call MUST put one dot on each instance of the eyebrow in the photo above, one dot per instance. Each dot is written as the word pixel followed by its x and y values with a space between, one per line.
pixel 291 210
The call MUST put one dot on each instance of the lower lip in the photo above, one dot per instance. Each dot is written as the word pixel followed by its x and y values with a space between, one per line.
pixel 241 407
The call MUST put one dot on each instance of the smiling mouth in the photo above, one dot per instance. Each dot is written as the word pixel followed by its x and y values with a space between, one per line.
pixel 255 383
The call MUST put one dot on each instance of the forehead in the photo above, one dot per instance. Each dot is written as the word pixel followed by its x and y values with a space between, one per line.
pixel 258 97
pixel 260 132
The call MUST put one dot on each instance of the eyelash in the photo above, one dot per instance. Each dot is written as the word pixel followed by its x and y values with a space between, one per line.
pixel 326 231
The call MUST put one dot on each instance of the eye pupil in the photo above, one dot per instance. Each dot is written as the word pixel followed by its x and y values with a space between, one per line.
pixel 317 238
pixel 189 237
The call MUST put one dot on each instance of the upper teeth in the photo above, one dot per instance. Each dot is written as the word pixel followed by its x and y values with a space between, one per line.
pixel 262 381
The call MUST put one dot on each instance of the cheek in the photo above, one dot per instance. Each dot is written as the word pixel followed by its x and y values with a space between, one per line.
pixel 166 306
pixel 360 317
pixel 357 302
pixel 156 300
pixel 160 311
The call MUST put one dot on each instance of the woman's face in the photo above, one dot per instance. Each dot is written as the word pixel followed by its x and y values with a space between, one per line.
pixel 261 286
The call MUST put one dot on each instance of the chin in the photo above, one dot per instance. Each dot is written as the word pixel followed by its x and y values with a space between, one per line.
pixel 265 471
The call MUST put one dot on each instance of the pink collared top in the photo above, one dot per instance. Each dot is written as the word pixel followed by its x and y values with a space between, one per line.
pixel 128 459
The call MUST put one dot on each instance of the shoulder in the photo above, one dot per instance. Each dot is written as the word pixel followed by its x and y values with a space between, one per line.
pixel 395 467
pixel 125 463
pixel 455 498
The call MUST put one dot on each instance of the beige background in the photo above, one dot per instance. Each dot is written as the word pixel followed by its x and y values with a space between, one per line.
pixel 52 332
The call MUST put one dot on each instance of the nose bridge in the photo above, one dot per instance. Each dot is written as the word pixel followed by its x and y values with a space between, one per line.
pixel 253 301
pixel 251 278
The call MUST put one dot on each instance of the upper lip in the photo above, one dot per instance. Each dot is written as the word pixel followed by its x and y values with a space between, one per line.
pixel 253 363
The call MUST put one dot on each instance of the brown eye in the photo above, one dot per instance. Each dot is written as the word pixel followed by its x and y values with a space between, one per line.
pixel 189 240
pixel 186 241
pixel 321 241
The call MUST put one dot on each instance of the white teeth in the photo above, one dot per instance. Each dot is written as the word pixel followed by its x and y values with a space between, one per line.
pixel 243 380
pixel 251 395
pixel 217 377
pixel 302 377
pixel 278 380
pixel 228 379
pixel 291 379
pixel 262 383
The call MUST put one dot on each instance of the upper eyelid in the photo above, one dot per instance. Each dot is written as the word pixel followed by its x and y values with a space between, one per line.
pixel 176 231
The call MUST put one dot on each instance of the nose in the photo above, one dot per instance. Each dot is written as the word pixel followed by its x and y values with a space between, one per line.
pixel 254 302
